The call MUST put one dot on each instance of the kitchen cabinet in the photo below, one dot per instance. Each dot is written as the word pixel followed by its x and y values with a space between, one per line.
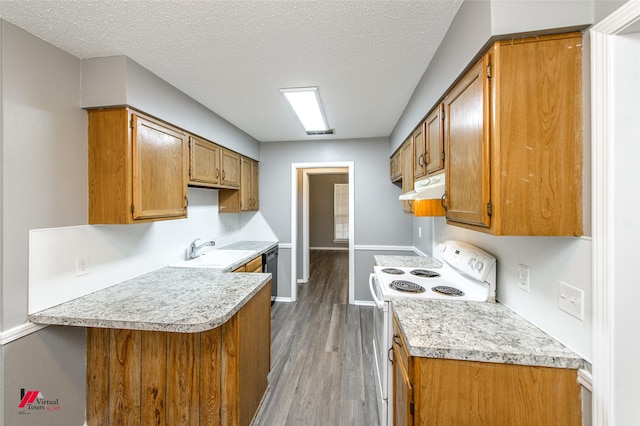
pixel 419 151
pixel 396 166
pixel 513 135
pixel 211 165
pixel 254 265
pixel 403 404
pixel 247 198
pixel 434 142
pixel 453 392
pixel 407 173
pixel 137 168
pixel 217 376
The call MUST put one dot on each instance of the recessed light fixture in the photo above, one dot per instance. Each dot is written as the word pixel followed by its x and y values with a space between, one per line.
pixel 305 103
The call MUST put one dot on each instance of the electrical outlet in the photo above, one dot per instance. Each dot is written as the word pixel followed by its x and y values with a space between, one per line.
pixel 524 280
pixel 82 266
pixel 571 300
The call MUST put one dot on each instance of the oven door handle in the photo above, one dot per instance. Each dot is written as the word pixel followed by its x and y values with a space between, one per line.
pixel 379 303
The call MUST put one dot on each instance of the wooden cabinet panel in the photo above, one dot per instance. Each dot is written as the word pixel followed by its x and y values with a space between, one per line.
pixel 230 168
pixel 419 153
pixel 214 377
pixel 513 133
pixel 204 162
pixel 465 392
pixel 247 198
pixel 407 173
pixel 137 168
pixel 467 139
pixel 159 170
pixel 434 141
pixel 396 166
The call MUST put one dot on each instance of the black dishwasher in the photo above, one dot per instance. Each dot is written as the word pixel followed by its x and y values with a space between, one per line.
pixel 270 264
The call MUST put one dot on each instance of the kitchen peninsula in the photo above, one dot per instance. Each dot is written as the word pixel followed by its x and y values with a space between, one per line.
pixel 174 346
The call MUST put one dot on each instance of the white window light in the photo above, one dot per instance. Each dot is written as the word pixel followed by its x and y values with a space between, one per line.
pixel 305 103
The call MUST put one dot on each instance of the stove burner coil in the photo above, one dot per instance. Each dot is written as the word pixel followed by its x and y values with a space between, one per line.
pixel 406 286
pixel 424 273
pixel 448 291
pixel 393 271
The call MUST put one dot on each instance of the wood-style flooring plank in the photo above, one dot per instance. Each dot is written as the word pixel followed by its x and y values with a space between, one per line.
pixel 321 355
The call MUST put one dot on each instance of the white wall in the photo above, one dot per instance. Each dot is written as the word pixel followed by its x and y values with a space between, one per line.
pixel 379 220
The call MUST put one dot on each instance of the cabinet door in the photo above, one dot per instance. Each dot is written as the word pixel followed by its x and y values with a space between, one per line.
pixel 159 170
pixel 245 184
pixel 396 166
pixel 419 153
pixel 467 145
pixel 434 141
pixel 204 162
pixel 407 173
pixel 230 162
pixel 402 392
pixel 255 186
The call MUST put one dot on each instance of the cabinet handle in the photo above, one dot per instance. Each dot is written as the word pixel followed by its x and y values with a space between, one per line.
pixel 443 201
pixel 186 202
pixel 217 173
pixel 421 160
pixel 224 175
pixel 389 352
pixel 396 340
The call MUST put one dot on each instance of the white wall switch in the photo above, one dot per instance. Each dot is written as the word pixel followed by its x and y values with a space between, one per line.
pixel 571 300
pixel 82 266
pixel 419 231
pixel 524 280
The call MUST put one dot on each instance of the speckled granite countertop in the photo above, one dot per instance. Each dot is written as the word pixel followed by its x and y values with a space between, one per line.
pixel 183 300
pixel 407 261
pixel 478 331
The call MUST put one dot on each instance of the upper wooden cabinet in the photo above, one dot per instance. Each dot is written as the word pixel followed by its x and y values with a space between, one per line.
pixel 247 198
pixel 230 175
pixel 212 166
pixel 137 168
pixel 513 134
pixel 434 141
pixel 396 166
pixel 419 151
pixel 407 173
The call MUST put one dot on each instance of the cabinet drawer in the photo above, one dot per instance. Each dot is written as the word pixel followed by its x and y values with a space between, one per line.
pixel 254 265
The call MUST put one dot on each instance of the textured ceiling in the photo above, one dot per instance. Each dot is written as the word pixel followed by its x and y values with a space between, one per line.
pixel 366 56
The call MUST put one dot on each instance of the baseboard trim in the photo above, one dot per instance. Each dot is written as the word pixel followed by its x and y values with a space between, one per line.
pixel 363 303
pixel 18 332
pixel 383 248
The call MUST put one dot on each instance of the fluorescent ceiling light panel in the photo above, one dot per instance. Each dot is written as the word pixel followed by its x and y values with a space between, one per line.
pixel 305 103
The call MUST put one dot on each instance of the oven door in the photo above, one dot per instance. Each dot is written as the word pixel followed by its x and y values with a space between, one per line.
pixel 381 342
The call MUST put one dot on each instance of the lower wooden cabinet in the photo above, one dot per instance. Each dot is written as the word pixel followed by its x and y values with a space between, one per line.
pixel 444 392
pixel 210 378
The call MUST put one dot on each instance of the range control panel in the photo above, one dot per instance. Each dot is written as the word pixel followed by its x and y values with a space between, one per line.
pixel 468 259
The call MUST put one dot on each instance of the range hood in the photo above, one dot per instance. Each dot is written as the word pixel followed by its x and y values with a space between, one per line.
pixel 431 188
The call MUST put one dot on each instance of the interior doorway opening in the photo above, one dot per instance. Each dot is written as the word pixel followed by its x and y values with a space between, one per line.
pixel 300 219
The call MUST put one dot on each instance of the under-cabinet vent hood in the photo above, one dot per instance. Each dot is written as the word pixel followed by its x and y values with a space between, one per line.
pixel 431 188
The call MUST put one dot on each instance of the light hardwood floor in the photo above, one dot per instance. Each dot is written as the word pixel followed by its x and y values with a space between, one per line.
pixel 321 354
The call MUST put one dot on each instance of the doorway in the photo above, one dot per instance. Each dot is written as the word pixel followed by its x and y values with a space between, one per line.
pixel 300 208
pixel 615 48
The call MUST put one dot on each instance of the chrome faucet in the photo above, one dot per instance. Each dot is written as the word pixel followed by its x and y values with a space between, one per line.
pixel 193 248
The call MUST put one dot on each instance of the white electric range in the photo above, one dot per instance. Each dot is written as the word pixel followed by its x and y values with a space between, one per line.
pixel 458 271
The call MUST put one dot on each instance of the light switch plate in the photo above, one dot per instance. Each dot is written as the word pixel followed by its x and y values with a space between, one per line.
pixel 571 300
